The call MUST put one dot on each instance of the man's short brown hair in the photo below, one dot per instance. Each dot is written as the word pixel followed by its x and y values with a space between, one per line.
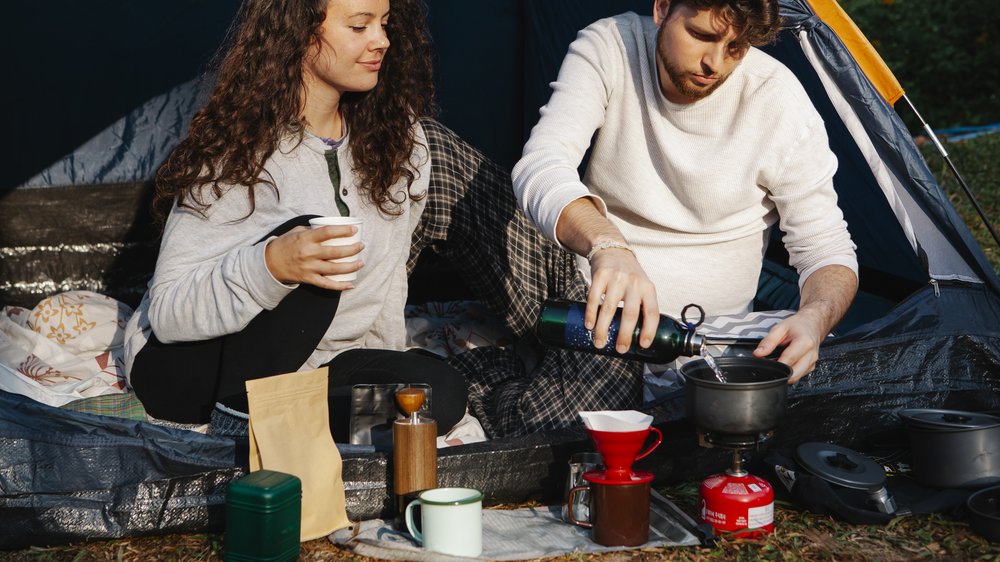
pixel 756 21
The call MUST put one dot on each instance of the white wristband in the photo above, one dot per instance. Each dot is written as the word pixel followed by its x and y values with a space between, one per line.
pixel 605 245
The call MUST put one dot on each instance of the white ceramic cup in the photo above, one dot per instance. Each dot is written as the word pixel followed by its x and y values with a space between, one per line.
pixel 342 241
pixel 451 521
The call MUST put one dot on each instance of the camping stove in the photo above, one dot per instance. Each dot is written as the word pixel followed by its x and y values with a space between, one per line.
pixel 736 500
pixel 711 440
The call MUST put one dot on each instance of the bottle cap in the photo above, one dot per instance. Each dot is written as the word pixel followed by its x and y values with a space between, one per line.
pixel 693 342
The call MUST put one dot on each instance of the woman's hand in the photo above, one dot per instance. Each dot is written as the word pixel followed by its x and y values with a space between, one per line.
pixel 298 256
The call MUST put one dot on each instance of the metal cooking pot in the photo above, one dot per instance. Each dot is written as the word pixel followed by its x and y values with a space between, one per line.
pixel 984 510
pixel 751 401
pixel 952 448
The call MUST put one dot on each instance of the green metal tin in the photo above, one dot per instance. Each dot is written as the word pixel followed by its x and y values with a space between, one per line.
pixel 263 517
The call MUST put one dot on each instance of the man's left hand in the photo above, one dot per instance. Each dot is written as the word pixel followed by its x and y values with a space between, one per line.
pixel 826 295
pixel 800 334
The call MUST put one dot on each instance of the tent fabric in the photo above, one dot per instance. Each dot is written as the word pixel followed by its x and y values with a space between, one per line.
pixel 132 148
pixel 883 248
pixel 924 332
pixel 864 53
pixel 892 141
pixel 925 238
pixel 67 475
pixel 76 67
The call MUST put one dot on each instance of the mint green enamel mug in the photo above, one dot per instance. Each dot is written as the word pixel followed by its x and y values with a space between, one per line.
pixel 451 521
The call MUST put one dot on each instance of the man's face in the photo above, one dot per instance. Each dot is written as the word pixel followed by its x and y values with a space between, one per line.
pixel 695 52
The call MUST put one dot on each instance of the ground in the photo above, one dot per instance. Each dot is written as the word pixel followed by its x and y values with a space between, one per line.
pixel 798 536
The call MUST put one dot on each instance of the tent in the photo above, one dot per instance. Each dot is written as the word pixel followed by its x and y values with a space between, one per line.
pixel 924 331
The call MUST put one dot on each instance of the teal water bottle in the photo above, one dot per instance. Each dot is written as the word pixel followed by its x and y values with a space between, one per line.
pixel 561 325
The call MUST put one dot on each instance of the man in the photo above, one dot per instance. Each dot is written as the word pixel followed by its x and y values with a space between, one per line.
pixel 702 143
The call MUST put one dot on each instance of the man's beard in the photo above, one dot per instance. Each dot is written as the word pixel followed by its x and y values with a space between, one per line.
pixel 678 77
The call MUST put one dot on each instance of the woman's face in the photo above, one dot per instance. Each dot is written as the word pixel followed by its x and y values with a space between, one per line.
pixel 352 42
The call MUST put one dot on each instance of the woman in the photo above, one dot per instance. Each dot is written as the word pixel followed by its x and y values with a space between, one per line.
pixel 313 114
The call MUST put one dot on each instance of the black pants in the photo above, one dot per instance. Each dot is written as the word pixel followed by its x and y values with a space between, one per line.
pixel 181 382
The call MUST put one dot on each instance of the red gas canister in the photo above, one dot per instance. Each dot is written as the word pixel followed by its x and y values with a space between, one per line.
pixel 734 502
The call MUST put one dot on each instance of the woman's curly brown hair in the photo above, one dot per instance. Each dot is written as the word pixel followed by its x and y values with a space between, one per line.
pixel 257 101
pixel 757 21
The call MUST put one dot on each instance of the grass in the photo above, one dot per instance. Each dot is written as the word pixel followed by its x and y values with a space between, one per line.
pixel 798 536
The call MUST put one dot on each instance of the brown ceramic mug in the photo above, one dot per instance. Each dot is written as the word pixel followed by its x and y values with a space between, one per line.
pixel 619 512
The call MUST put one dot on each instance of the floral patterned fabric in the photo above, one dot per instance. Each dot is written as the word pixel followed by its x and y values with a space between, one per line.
pixel 66 348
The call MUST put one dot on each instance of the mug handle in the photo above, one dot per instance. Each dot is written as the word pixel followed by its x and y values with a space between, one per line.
pixel 659 439
pixel 409 522
pixel 569 505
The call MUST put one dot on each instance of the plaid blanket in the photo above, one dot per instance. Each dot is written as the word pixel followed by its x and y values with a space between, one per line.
pixel 472 220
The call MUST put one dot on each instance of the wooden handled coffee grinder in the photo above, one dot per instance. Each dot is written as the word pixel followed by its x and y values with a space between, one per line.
pixel 414 449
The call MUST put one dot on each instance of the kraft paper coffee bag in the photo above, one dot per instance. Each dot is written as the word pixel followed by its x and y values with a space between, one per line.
pixel 290 432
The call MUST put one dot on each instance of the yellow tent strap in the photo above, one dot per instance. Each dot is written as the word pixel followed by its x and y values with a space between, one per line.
pixel 864 53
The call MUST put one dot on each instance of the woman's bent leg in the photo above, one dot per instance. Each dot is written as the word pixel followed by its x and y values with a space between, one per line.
pixel 375 366
pixel 181 382
pixel 177 382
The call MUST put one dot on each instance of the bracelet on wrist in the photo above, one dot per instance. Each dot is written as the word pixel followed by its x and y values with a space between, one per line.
pixel 606 245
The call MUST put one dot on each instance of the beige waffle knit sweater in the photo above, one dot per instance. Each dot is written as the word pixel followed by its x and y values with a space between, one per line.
pixel 694 188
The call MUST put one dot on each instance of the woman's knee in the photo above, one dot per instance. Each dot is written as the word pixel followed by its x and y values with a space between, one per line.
pixel 449 389
pixel 450 394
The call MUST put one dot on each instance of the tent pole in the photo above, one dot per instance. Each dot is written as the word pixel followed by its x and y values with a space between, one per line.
pixel 954 170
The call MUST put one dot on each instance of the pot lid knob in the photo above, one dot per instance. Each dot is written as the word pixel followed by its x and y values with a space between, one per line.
pixel 841 466
pixel 930 418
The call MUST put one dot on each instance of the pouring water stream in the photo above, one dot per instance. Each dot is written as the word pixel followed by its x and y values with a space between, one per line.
pixel 719 375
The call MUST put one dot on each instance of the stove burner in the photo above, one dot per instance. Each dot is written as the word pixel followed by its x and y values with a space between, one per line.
pixel 725 441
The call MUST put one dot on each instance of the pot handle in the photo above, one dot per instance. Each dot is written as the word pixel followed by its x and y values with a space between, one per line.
pixel 659 439
pixel 569 504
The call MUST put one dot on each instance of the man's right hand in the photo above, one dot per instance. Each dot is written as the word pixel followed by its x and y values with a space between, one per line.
pixel 616 276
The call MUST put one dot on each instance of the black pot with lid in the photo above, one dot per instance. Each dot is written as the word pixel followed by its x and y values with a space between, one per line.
pixel 984 511
pixel 953 448
pixel 843 467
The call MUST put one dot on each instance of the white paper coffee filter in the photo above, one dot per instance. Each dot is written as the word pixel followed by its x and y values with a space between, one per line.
pixel 616 420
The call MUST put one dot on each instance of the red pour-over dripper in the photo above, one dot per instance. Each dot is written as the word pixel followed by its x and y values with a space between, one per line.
pixel 620 449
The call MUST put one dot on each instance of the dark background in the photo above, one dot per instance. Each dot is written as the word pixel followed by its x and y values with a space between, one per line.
pixel 77 67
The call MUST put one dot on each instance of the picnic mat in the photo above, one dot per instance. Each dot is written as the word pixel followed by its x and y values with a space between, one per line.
pixel 508 534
